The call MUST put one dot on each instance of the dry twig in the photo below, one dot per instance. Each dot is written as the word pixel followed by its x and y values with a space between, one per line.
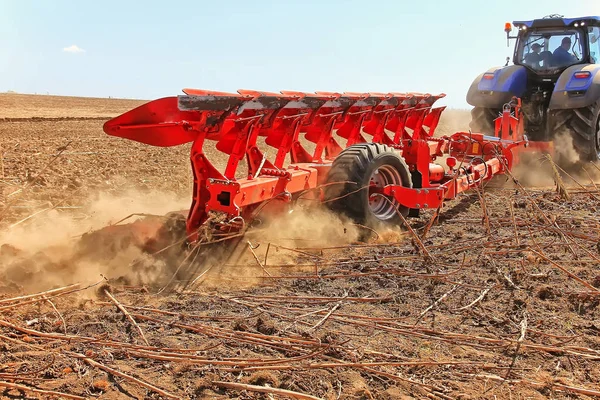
pixel 438 301
pixel 48 393
pixel 130 378
pixel 129 317
pixel 265 389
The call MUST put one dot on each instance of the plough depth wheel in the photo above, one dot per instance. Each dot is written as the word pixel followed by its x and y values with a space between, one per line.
pixel 366 169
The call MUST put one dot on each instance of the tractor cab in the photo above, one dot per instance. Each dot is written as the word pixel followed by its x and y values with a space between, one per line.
pixel 549 45
pixel 551 51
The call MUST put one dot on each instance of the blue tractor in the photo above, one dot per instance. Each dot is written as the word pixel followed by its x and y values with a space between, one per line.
pixel 556 73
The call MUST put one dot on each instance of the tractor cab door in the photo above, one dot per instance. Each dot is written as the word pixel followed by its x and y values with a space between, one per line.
pixel 594 44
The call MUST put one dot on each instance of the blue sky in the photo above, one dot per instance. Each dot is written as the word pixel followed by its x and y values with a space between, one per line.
pixel 150 49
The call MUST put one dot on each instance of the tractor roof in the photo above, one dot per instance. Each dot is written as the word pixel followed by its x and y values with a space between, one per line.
pixel 558 22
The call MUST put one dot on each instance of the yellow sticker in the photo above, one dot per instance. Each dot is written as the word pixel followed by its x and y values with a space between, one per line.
pixel 475 147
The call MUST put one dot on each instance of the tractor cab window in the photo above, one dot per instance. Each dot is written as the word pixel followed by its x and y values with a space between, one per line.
pixel 542 51
pixel 594 39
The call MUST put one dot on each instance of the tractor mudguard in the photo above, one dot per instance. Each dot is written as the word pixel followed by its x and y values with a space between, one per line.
pixel 577 87
pixel 497 86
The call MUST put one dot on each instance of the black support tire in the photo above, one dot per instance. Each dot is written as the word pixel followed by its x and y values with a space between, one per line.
pixel 583 124
pixel 363 166
pixel 482 120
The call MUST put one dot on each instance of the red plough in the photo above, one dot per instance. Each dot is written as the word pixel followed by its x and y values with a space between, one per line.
pixel 369 155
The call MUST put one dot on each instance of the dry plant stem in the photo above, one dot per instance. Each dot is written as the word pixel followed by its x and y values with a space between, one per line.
pixel 22 375
pixel 44 298
pixel 539 385
pixel 48 393
pixel 438 301
pixel 29 217
pixel 194 250
pixel 238 363
pixel 297 319
pixel 129 317
pixel 518 347
pixel 45 335
pixel 1 162
pixel 484 212
pixel 430 223
pixel 373 231
pixel 193 283
pixel 591 181
pixel 502 274
pixel 435 395
pixel 563 269
pixel 560 186
pixel 35 178
pixel 64 324
pixel 579 184
pixel 240 336
pixel 138 215
pixel 401 379
pixel 181 314
pixel 399 364
pixel 190 274
pixel 477 300
pixel 304 253
pixel 512 216
pixel 41 294
pixel 120 374
pixel 54 158
pixel 264 389
pixel 46 209
pixel 346 194
pixel 85 339
pixel 542 213
pixel 267 254
pixel 326 317
pixel 426 255
pixel 318 299
pixel 257 259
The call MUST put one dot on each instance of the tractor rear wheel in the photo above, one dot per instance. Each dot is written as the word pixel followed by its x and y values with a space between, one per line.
pixel 365 169
pixel 583 124
pixel 482 120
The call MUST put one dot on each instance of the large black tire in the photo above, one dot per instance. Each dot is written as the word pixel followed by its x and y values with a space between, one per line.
pixel 583 124
pixel 360 165
pixel 482 120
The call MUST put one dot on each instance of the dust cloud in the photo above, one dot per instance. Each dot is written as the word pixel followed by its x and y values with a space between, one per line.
pixel 295 228
pixel 57 248
pixel 536 170
pixel 311 227
pixel 452 121
pixel 574 169
pixel 533 170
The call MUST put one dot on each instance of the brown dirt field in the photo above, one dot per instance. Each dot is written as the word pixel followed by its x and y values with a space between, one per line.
pixel 506 306
pixel 15 105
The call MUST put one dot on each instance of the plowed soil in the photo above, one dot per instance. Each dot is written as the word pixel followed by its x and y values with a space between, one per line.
pixel 497 299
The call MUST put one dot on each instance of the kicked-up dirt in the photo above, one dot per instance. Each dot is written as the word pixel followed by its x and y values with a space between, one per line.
pixel 498 298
